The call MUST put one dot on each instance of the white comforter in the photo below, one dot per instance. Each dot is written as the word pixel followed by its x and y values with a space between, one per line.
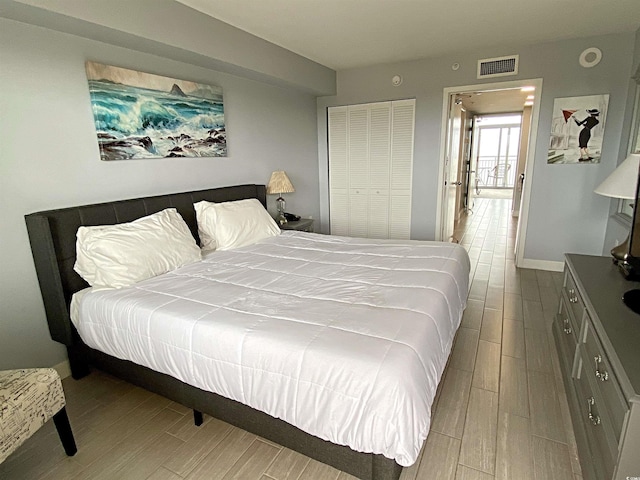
pixel 344 338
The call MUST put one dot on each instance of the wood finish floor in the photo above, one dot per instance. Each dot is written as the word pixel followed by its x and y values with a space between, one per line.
pixel 500 412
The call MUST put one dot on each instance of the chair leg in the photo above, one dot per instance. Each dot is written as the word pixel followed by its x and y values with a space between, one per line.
pixel 64 431
pixel 197 418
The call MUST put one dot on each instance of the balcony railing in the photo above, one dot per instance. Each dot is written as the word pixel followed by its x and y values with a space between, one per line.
pixel 496 172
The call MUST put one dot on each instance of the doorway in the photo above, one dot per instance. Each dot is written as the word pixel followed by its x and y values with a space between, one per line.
pixel 499 164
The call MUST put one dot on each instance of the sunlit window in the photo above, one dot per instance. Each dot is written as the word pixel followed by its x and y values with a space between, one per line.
pixel 495 150
pixel 625 207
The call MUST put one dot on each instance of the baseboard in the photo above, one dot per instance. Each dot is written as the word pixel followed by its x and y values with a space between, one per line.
pixel 548 265
pixel 63 369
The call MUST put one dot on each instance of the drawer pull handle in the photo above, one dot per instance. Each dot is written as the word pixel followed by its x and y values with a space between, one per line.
pixel 567 327
pixel 603 376
pixel 573 298
pixel 595 419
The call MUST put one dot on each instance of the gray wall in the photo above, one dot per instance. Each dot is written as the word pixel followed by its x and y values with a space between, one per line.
pixel 565 215
pixel 172 30
pixel 49 157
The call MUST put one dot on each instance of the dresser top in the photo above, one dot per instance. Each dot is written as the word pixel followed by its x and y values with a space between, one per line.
pixel 602 286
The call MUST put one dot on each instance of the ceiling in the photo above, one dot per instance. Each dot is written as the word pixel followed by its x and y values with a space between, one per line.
pixel 343 34
pixel 498 101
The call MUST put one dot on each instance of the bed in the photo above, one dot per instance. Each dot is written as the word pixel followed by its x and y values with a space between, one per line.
pixel 266 298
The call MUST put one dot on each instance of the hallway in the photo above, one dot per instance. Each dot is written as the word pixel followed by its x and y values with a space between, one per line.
pixel 501 411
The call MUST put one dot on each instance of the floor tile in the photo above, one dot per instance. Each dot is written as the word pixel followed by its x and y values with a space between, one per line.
pixel 440 458
pixel 513 457
pixel 478 448
pixel 450 416
pixel 514 388
pixel 491 329
pixel 486 374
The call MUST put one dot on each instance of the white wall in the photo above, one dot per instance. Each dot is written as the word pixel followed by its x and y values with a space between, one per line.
pixel 49 157
pixel 565 215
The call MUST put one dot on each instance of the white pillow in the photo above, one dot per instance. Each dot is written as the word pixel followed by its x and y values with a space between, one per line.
pixel 229 225
pixel 206 225
pixel 127 253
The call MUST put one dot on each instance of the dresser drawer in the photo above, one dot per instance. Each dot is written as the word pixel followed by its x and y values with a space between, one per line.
pixel 597 425
pixel 567 333
pixel 573 297
pixel 597 366
pixel 571 324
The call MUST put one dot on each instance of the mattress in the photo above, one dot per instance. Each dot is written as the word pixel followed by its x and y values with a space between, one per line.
pixel 344 338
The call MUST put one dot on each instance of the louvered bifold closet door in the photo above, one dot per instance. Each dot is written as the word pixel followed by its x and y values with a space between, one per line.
pixel 358 171
pixel 379 165
pixel 403 125
pixel 370 165
pixel 338 171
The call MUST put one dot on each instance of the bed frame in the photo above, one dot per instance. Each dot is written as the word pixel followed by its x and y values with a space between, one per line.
pixel 53 243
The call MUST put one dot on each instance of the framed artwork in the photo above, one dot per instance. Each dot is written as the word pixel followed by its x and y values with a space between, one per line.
pixel 577 129
pixel 141 115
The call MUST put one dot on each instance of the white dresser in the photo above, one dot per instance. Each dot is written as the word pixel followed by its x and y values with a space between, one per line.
pixel 598 342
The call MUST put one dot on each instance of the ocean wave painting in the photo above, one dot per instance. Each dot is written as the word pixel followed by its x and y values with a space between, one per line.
pixel 141 115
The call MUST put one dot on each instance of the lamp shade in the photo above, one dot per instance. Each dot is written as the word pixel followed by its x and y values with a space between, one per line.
pixel 279 183
pixel 623 181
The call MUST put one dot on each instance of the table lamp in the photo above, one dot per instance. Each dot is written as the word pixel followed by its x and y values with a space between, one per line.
pixel 622 183
pixel 279 183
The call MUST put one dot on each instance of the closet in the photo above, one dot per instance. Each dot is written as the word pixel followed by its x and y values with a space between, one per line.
pixel 370 168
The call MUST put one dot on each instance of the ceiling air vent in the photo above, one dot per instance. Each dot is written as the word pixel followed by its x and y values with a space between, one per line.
pixel 498 67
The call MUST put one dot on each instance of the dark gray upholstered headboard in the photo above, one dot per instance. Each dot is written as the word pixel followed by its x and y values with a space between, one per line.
pixel 52 235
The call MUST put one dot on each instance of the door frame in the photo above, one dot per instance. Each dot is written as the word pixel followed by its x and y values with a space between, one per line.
pixel 531 150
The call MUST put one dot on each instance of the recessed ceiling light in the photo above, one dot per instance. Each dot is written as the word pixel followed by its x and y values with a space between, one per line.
pixel 528 103
pixel 528 89
pixel 530 97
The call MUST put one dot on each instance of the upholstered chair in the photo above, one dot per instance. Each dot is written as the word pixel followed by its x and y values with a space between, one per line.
pixel 28 399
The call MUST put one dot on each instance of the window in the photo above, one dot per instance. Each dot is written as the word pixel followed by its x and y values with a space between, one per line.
pixel 625 207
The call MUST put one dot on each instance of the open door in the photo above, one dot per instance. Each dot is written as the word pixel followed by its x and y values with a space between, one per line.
pixel 522 161
pixel 452 186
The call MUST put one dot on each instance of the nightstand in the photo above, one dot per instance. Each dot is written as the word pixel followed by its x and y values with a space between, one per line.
pixel 302 225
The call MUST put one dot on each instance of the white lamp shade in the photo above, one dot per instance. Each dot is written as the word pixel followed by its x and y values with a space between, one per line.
pixel 623 181
pixel 279 183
